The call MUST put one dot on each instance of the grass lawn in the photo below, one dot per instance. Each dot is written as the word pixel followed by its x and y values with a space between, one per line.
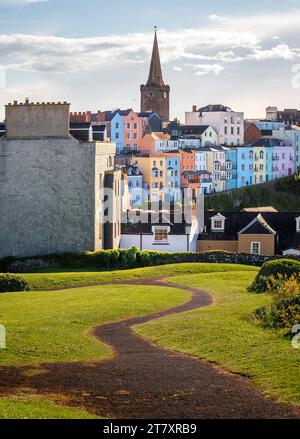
pixel 227 335
pixel 35 408
pixel 51 326
pixel 57 279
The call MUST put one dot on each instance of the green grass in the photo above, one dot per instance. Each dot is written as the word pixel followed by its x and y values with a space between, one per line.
pixel 283 194
pixel 35 408
pixel 59 279
pixel 51 326
pixel 226 334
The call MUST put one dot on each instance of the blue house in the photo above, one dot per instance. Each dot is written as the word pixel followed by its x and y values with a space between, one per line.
pixel 231 156
pixel 117 131
pixel 135 181
pixel 245 166
pixel 173 178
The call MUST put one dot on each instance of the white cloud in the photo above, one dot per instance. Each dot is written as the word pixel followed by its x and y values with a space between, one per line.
pixel 226 40
pixel 282 51
pixel 206 69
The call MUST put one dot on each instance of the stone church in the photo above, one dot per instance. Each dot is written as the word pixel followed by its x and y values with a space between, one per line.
pixel 155 95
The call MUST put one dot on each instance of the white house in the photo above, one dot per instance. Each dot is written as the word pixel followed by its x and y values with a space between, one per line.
pixel 227 123
pixel 160 234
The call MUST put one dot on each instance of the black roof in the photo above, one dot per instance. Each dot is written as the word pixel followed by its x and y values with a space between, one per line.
pixel 140 227
pixel 135 169
pixel 284 224
pixel 80 125
pixel 193 129
pixel 148 114
pixel 214 108
pixel 99 128
pixel 269 142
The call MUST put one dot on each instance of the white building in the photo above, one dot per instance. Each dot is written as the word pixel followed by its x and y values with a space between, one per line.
pixel 160 235
pixel 227 123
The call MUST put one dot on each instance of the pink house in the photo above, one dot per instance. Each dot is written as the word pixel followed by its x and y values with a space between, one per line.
pixel 133 131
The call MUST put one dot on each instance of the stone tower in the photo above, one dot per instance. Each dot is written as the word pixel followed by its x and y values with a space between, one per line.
pixel 155 95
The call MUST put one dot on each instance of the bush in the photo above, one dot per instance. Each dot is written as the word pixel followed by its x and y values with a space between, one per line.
pixel 274 269
pixel 11 283
pixel 25 266
pixel 285 309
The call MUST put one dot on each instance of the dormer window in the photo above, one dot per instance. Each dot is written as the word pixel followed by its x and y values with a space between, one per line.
pixel 218 223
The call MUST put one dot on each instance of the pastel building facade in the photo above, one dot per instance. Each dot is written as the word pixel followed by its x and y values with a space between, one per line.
pixel 135 182
pixel 231 168
pixel 172 178
pixel 245 166
pixel 126 130
pixel 155 143
pixel 153 169
pixel 217 166
pixel 283 161
pixel 227 123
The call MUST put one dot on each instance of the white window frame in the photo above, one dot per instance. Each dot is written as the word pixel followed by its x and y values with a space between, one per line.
pixel 155 231
pixel 254 243
pixel 298 225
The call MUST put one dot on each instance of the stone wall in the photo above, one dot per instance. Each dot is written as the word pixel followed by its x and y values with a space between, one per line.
pixel 49 195
pixel 41 120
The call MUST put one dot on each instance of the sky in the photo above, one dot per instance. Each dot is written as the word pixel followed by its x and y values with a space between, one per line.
pixel 96 54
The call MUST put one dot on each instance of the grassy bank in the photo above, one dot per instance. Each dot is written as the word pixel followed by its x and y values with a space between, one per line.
pixel 283 194
pixel 226 334
pixel 61 279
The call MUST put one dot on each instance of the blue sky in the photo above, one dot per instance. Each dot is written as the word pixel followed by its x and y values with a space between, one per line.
pixel 96 54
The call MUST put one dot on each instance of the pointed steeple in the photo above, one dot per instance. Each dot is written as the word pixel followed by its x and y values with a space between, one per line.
pixel 155 74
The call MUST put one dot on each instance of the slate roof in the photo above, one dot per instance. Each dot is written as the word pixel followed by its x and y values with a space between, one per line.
pixel 109 115
pixel 99 128
pixel 135 169
pixel 139 227
pixel 148 114
pixel 214 108
pixel 268 142
pixel 80 125
pixel 284 224
pixel 193 129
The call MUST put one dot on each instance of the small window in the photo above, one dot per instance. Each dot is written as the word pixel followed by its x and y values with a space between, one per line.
pixel 161 234
pixel 218 225
pixel 298 224
pixel 255 248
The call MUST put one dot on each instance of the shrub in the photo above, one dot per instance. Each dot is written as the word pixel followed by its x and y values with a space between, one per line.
pixel 285 309
pixel 274 269
pixel 29 265
pixel 11 283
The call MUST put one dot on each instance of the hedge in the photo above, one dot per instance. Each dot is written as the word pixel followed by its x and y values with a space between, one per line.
pixel 124 259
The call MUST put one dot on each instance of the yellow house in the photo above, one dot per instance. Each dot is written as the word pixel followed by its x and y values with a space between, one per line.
pixel 154 170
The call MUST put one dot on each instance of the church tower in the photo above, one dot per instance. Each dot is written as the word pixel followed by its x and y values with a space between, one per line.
pixel 155 95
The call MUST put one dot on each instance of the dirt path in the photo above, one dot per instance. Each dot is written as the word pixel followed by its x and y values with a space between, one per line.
pixel 144 381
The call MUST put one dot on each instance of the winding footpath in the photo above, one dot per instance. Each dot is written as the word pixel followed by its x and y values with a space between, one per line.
pixel 145 381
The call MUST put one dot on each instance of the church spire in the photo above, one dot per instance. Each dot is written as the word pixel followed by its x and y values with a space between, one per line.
pixel 155 74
